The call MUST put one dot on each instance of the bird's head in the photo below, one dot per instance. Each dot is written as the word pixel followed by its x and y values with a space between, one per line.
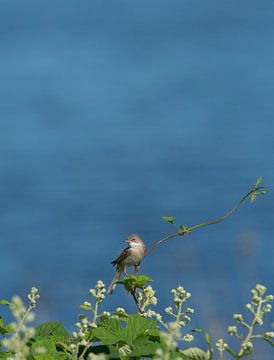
pixel 134 240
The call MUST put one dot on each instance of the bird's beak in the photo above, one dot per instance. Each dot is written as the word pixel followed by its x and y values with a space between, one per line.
pixel 127 241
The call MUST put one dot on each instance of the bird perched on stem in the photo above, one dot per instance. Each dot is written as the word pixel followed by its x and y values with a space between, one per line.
pixel 131 256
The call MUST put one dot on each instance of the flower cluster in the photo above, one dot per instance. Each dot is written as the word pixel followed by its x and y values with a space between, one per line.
pixel 180 295
pixel 33 296
pixel 18 341
pixel 146 298
pixel 84 326
pixel 259 307
pixel 98 292
pixel 221 346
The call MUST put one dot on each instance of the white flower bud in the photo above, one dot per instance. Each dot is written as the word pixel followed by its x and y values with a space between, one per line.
pixel 249 307
pixel 232 330
pixel 261 289
pixel 269 334
pixel 238 317
pixel 121 311
pixel 188 338
pixel 92 292
pixel 189 310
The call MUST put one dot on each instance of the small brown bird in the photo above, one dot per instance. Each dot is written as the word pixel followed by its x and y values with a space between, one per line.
pixel 131 256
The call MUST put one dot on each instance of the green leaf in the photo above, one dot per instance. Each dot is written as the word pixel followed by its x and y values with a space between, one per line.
pixel 208 339
pixel 142 280
pixel 143 347
pixel 8 329
pixel 259 180
pixel 5 355
pixel 153 333
pixel 136 326
pixel 53 330
pixel 230 351
pixel 129 282
pixel 169 219
pixel 196 354
pixel 106 336
pixel 43 349
pixel 197 330
pixel 4 302
pixel 109 332
pixel 85 307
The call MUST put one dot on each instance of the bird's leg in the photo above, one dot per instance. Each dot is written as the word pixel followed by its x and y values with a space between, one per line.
pixel 137 269
pixel 125 272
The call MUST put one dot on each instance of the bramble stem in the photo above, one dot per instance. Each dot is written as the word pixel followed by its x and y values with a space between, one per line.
pixel 21 323
pixel 250 332
pixel 133 293
pixel 184 230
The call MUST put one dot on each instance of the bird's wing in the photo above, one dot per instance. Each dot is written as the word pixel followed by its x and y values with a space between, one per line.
pixel 124 254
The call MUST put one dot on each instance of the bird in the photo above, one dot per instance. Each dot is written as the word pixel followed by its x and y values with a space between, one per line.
pixel 131 256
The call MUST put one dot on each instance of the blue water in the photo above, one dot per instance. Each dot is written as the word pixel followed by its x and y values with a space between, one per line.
pixel 116 113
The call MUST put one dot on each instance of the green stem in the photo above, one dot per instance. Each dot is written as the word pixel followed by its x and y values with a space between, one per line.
pixel 95 312
pixel 95 315
pixel 250 332
pixel 76 352
pixel 185 231
pixel 21 323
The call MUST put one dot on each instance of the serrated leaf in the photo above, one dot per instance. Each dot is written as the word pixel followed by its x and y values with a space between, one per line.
pixel 106 336
pixel 43 349
pixel 143 347
pixel 136 326
pixel 196 354
pixel 169 219
pixel 153 333
pixel 142 280
pixel 127 279
pixel 109 332
pixel 54 330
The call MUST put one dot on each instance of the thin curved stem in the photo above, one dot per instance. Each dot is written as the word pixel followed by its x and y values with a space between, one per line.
pixel 184 230
pixel 161 241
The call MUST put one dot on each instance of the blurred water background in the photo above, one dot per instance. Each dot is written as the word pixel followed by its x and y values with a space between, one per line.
pixel 116 113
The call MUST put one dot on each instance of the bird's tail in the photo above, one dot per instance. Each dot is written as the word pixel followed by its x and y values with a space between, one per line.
pixel 112 285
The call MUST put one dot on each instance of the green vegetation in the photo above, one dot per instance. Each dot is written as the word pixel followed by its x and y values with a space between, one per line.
pixel 119 335
pixel 145 334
